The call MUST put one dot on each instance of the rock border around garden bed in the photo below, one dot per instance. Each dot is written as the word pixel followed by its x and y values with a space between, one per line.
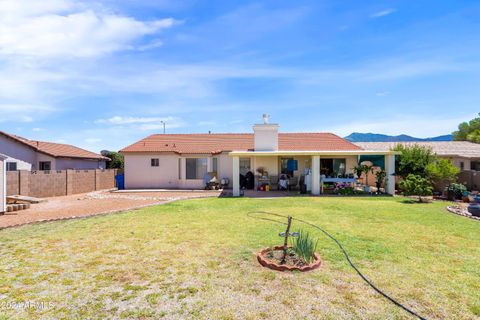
pixel 461 212
pixel 280 267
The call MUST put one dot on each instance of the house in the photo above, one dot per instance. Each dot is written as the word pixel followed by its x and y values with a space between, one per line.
pixel 463 154
pixel 182 160
pixel 24 154
pixel 3 183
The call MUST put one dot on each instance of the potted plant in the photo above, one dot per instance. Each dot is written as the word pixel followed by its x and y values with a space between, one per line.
pixel 455 191
pixel 380 179
pixel 366 168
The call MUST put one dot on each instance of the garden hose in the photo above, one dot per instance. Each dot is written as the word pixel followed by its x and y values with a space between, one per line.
pixel 398 304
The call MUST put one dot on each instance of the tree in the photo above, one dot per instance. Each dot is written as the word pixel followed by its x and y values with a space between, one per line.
pixel 415 185
pixel 468 131
pixel 442 170
pixel 414 160
pixel 116 159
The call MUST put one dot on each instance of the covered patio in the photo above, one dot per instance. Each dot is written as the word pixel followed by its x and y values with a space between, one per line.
pixel 307 171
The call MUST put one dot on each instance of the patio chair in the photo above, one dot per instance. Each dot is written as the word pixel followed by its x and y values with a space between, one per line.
pixel 274 182
pixel 292 183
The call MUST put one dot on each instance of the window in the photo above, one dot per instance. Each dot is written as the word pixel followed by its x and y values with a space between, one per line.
pixel 45 165
pixel 475 165
pixel 215 165
pixel 11 166
pixel 462 165
pixel 196 168
pixel 332 167
pixel 179 168
pixel 244 165
pixel 155 162
pixel 284 166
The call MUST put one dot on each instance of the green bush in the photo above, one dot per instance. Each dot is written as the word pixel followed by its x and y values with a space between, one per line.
pixel 457 189
pixel 415 185
pixel 414 160
pixel 305 246
pixel 442 170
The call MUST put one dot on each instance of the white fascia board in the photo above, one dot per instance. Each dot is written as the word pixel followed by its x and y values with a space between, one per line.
pixel 312 153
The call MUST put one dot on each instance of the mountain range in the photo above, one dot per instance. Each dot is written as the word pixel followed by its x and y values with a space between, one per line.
pixel 376 137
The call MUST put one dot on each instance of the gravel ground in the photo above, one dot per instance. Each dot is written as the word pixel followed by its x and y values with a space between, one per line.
pixel 93 203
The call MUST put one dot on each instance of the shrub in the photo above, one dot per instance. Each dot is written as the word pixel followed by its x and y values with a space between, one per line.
pixel 442 170
pixel 457 190
pixel 415 185
pixel 305 246
pixel 414 160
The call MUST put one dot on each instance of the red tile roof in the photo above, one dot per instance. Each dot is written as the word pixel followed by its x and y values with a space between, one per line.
pixel 57 150
pixel 225 142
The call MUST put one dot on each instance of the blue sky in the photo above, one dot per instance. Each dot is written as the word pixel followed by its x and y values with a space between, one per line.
pixel 103 74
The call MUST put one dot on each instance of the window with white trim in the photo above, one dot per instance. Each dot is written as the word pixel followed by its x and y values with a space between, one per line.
pixel 155 162
pixel 11 166
pixel 195 168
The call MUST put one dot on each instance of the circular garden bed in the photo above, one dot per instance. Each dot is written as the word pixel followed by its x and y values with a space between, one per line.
pixel 273 258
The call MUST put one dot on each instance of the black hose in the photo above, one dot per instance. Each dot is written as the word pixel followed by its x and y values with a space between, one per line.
pixel 398 304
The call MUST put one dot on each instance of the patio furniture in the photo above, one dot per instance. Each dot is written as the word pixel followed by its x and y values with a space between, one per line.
pixel 292 183
pixel 274 182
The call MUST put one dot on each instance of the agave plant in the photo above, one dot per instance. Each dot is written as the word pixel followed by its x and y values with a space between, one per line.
pixel 305 246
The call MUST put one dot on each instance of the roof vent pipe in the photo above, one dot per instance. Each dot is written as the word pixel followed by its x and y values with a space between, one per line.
pixel 266 118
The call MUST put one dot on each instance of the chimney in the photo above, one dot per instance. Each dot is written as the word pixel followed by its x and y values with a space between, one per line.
pixel 266 135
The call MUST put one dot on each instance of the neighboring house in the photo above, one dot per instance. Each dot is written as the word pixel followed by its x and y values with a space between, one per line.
pixel 24 154
pixel 3 183
pixel 181 160
pixel 465 155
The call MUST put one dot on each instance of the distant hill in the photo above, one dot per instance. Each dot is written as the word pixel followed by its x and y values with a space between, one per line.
pixel 376 137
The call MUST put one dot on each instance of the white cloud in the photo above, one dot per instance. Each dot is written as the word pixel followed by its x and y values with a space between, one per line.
pixel 383 13
pixel 143 123
pixel 66 29
pixel 92 140
pixel 23 113
pixel 383 93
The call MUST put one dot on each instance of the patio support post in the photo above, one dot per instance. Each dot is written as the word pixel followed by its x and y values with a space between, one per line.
pixel 390 170
pixel 316 175
pixel 236 176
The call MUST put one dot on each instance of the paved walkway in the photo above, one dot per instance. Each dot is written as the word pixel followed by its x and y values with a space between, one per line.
pixel 94 203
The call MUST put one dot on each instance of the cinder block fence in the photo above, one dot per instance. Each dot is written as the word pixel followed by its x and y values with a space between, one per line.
pixel 55 183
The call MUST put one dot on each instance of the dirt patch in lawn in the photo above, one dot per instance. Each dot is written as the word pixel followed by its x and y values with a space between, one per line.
pixel 93 203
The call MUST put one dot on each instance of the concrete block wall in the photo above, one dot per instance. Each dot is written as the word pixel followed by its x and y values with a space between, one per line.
pixel 55 183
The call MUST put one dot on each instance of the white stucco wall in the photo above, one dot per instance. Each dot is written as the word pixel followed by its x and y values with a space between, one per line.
pixel 269 164
pixel 3 185
pixel 225 167
pixel 140 174
pixel 80 164
pixel 265 137
pixel 43 157
pixel 18 152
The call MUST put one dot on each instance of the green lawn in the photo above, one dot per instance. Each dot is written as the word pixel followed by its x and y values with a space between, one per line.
pixel 194 259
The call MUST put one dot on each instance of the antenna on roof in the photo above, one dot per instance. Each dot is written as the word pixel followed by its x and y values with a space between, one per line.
pixel 266 118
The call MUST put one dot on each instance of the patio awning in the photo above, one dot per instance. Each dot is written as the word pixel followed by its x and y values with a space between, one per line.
pixel 377 160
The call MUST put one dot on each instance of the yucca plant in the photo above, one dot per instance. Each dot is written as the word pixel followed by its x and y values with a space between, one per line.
pixel 305 246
